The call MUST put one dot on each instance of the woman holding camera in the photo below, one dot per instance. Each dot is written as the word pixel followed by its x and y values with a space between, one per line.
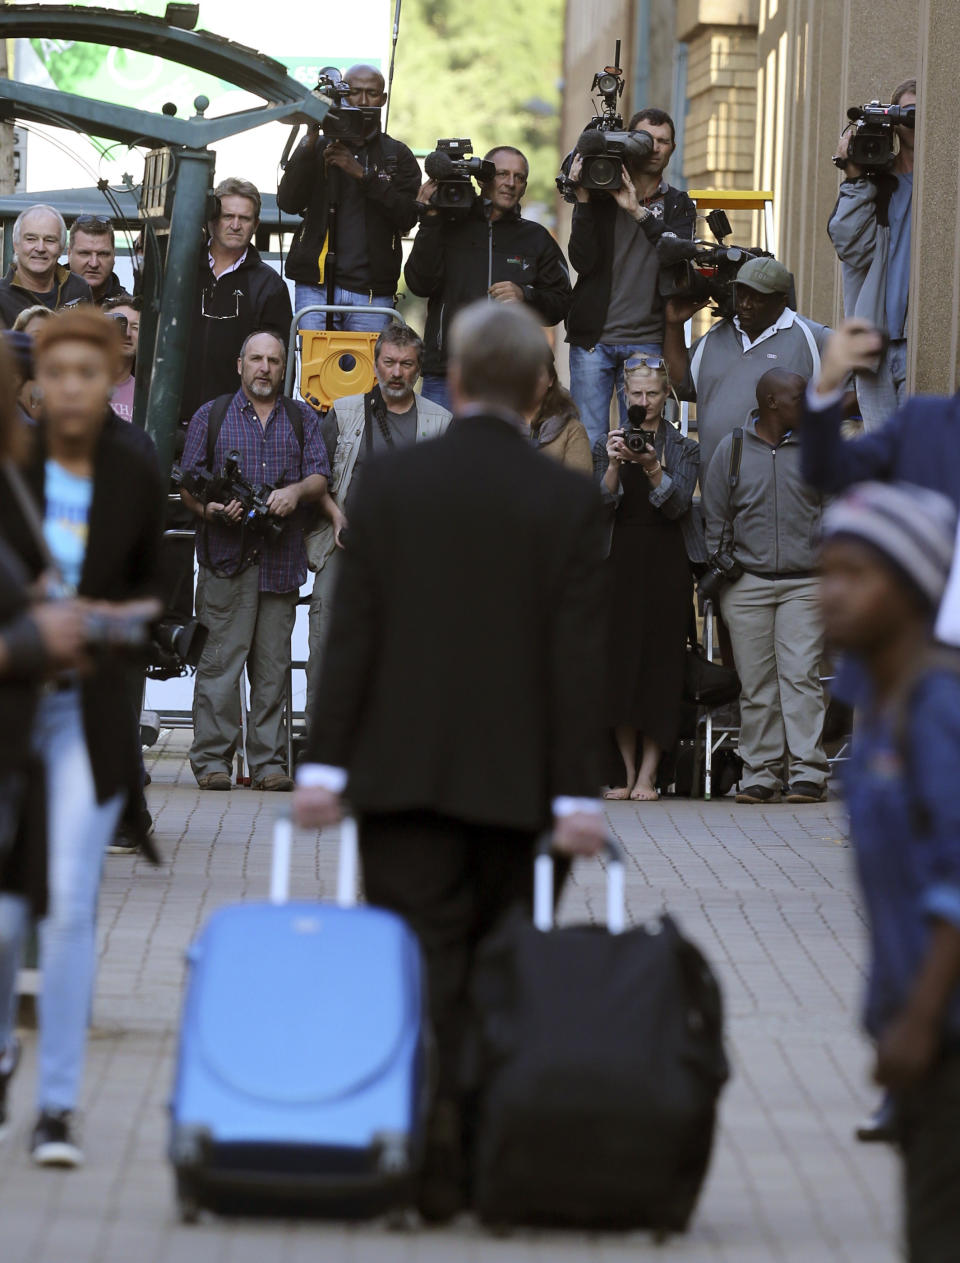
pixel 85 518
pixel 649 481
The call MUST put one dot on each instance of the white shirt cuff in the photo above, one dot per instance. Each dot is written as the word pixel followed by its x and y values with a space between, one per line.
pixel 565 806
pixel 820 403
pixel 322 776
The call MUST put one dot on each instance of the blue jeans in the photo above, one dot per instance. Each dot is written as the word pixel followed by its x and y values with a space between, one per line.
pixel 434 387
pixel 78 830
pixel 307 295
pixel 594 374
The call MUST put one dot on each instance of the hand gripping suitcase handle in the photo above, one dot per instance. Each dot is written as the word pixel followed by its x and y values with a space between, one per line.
pixel 283 849
pixel 543 886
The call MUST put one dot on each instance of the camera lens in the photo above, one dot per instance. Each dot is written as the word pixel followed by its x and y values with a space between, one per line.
pixel 607 83
pixel 604 172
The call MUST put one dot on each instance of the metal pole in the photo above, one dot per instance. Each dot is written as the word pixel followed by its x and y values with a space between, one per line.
pixel 194 179
pixel 152 280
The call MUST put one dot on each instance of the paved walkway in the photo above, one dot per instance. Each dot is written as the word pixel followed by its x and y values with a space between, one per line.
pixel 768 893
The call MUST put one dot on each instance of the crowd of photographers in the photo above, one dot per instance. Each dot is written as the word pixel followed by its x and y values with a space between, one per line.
pixel 265 484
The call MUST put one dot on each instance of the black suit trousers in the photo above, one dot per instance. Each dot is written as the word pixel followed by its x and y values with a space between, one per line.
pixel 451 882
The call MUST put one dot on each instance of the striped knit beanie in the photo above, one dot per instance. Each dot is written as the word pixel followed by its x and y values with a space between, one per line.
pixel 911 527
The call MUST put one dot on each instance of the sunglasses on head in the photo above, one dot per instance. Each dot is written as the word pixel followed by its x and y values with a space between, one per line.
pixel 104 220
pixel 645 361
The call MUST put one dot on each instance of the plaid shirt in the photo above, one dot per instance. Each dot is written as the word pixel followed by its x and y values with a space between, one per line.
pixel 268 454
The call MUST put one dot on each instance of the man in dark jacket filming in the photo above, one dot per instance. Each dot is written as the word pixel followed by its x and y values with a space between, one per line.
pixel 357 201
pixel 490 252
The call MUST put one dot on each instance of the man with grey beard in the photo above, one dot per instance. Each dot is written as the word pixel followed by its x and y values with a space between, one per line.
pixel 356 429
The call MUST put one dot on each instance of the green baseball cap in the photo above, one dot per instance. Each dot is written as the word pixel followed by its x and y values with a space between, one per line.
pixel 767 276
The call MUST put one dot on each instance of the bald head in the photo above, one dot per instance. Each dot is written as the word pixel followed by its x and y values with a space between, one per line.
pixel 367 86
pixel 779 399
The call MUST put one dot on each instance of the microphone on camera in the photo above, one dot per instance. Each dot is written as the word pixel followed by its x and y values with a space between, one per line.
pixel 671 249
pixel 591 142
pixel 439 166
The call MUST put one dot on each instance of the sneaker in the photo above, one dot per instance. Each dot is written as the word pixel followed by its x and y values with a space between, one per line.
pixel 123 842
pixel 880 1127
pixel 52 1143
pixel 279 782
pixel 9 1061
pixel 759 795
pixel 806 792
pixel 214 780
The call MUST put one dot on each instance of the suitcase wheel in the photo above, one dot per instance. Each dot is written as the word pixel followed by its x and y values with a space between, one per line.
pixel 188 1201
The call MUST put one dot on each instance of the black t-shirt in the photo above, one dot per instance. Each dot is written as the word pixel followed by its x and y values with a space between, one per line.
pixel 352 264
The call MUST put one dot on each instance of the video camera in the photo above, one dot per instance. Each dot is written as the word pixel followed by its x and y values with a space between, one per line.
pixel 871 145
pixel 228 485
pixel 176 648
pixel 170 648
pixel 453 167
pixel 603 145
pixel 353 124
pixel 696 269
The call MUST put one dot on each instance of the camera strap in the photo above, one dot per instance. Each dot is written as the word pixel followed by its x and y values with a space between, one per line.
pixel 373 405
pixel 31 516
pixel 733 477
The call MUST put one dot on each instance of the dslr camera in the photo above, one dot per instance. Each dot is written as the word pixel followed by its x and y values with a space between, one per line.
pixel 721 571
pixel 353 124
pixel 453 167
pixel 635 437
pixel 697 269
pixel 230 484
pixel 871 145
pixel 603 145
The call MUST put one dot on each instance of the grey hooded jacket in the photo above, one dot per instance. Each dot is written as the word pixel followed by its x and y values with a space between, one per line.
pixel 771 517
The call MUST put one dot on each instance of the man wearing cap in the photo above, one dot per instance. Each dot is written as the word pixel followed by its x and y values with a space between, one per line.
pixel 886 556
pixel 724 366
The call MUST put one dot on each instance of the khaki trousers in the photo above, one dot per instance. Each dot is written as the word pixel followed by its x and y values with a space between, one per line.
pixel 252 627
pixel 321 612
pixel 777 636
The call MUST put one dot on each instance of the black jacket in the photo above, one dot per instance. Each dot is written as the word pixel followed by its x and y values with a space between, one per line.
pixel 454 262
pixel 462 672
pixel 71 290
pixel 123 546
pixel 390 189
pixel 591 254
pixel 225 310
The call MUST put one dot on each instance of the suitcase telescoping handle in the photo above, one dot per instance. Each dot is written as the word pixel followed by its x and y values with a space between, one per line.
pixel 283 849
pixel 543 886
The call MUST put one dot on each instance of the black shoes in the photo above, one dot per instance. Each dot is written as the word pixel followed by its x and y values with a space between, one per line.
pixel 9 1060
pixel 806 792
pixel 757 795
pixel 441 1195
pixel 53 1143
pixel 880 1126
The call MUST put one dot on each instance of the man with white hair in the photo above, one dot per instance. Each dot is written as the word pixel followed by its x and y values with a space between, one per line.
pixel 36 276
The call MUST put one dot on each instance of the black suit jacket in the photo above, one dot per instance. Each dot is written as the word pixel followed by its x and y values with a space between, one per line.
pixel 462 673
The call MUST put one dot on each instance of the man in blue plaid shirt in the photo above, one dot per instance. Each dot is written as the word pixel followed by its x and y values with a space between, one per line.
pixel 249 582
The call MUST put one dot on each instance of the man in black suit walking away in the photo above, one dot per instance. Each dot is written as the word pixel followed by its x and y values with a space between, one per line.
pixel 458 703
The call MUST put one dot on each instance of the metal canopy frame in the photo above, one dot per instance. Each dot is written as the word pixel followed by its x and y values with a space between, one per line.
pixel 168 292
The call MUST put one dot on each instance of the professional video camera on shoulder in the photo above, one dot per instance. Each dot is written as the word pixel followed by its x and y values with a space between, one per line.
pixel 871 146
pixel 453 168
pixel 705 272
pixel 353 124
pixel 604 146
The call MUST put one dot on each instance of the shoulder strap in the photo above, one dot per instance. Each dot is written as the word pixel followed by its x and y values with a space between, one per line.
pixel 811 343
pixel 697 357
pixel 295 417
pixel 215 417
pixel 31 515
pixel 736 456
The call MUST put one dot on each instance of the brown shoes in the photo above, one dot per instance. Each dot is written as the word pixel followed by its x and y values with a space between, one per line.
pixel 276 781
pixel 214 780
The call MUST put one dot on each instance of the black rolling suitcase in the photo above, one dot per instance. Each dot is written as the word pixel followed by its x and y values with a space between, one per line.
pixel 601 1061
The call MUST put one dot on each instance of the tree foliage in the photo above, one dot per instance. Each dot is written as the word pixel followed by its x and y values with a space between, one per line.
pixel 487 71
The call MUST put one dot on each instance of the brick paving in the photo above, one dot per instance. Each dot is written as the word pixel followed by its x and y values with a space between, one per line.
pixel 768 893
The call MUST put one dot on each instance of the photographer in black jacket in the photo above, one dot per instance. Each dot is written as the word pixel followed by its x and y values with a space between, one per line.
pixel 373 186
pixel 616 311
pixel 492 252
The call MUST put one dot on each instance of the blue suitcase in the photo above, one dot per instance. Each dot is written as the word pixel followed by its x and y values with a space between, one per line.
pixel 302 1076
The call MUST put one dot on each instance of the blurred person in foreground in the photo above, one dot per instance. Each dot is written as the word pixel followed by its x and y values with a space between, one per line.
pixel 655 539
pixel 554 421
pixel 85 518
pixel 461 680
pixel 886 555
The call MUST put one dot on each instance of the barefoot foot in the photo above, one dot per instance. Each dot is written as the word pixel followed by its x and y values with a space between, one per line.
pixel 618 795
pixel 644 794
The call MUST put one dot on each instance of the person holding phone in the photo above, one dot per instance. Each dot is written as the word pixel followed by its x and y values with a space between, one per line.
pixel 649 482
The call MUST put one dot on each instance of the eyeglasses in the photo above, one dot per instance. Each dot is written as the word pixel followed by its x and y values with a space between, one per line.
pixel 645 361
pixel 104 220
pixel 210 315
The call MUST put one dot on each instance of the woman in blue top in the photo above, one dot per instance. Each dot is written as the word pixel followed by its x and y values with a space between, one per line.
pixel 85 517
pixel 886 556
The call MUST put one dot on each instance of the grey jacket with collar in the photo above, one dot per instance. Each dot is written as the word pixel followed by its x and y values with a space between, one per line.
pixel 772 516
pixel 432 421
